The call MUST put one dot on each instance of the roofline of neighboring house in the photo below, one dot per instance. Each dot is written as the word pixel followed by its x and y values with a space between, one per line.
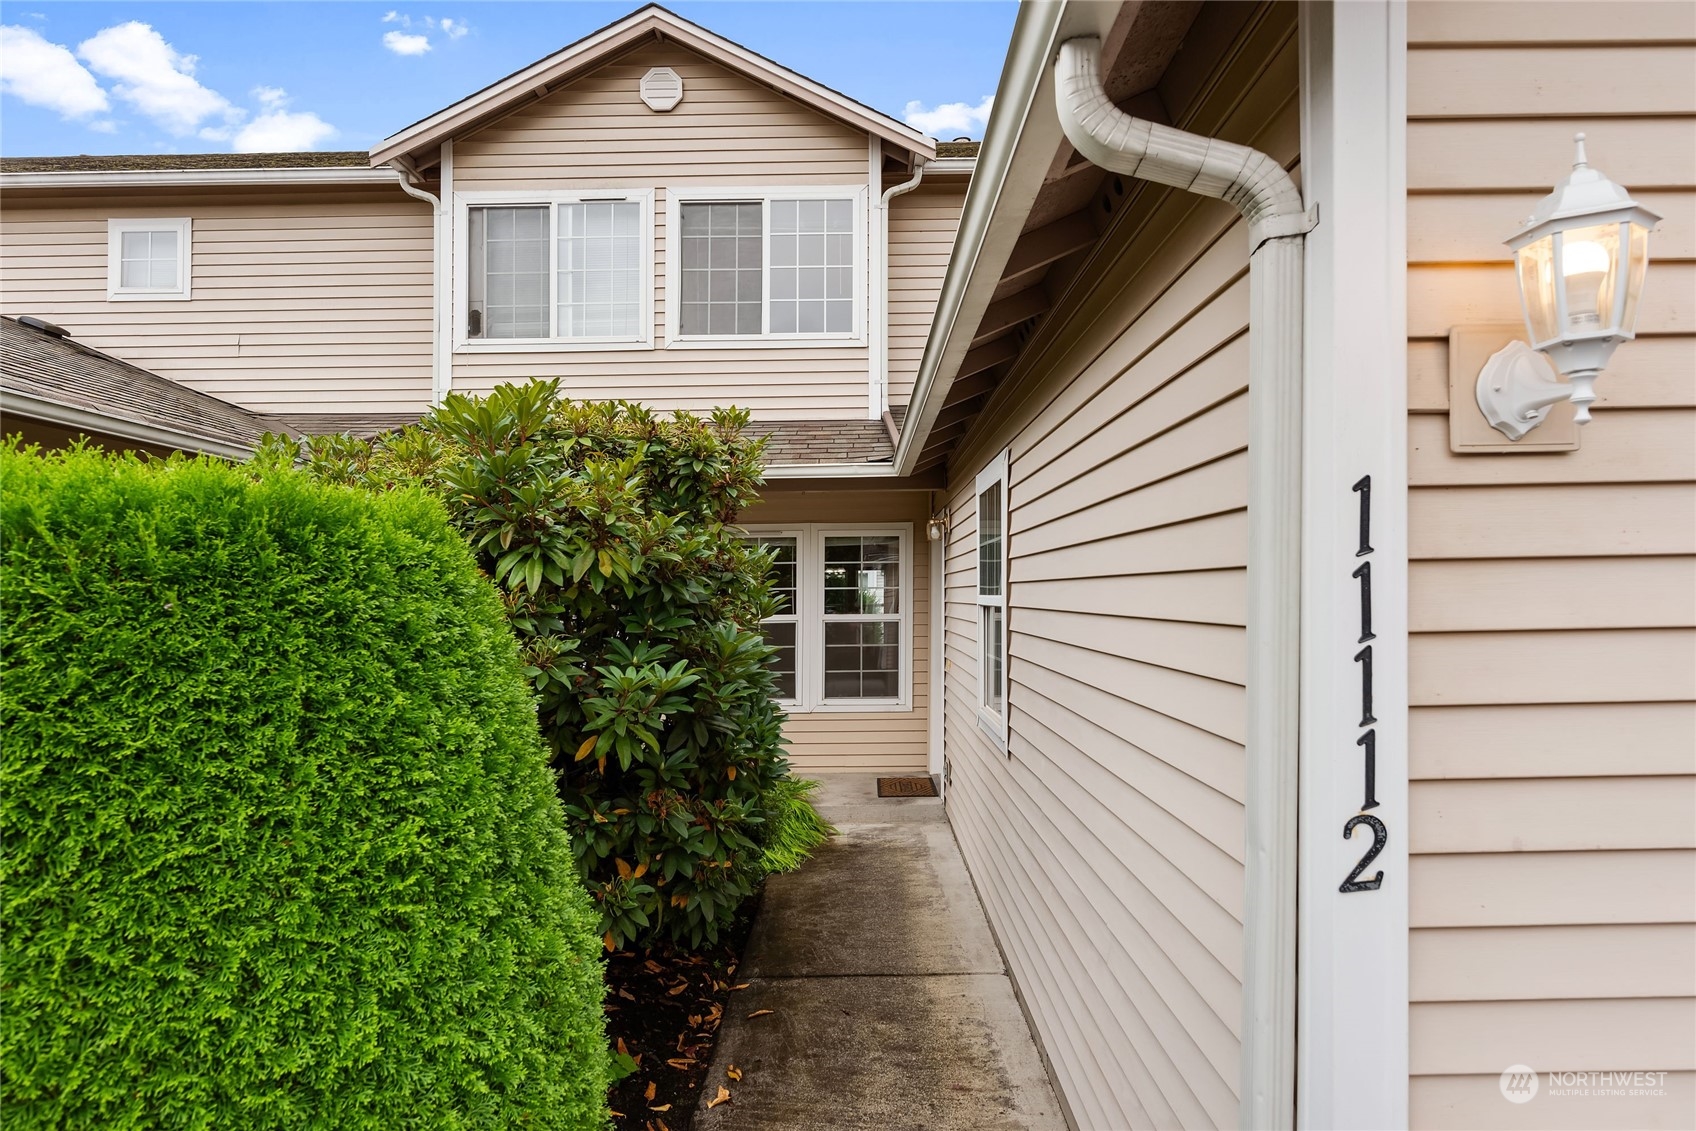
pixel 1011 164
pixel 173 178
pixel 87 420
pixel 538 80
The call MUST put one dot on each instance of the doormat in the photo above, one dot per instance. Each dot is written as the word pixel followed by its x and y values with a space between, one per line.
pixel 906 787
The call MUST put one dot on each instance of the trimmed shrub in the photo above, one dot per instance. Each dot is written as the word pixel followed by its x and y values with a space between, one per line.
pixel 281 848
pixel 638 609
pixel 793 828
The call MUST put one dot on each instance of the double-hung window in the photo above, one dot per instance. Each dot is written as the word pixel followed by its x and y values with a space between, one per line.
pixel 992 597
pixel 843 633
pixel 148 259
pixel 768 267
pixel 556 269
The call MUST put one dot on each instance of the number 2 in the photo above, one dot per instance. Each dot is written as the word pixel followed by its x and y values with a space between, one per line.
pixel 1380 836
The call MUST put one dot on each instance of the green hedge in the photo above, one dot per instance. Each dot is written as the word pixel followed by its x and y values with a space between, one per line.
pixel 281 848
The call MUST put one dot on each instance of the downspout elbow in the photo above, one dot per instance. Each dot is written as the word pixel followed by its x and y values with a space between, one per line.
pixel 1251 181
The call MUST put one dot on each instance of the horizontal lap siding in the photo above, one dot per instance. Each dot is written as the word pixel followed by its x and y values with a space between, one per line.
pixel 922 224
pixel 1108 839
pixel 1552 662
pixel 728 131
pixel 884 742
pixel 314 302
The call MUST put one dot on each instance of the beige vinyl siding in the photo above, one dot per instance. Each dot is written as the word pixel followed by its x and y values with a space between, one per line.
pixel 1107 840
pixel 922 224
pixel 313 301
pixel 727 132
pixel 885 742
pixel 1552 663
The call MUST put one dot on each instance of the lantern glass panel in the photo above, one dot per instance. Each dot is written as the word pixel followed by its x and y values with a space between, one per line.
pixel 1637 267
pixel 1590 272
pixel 1537 287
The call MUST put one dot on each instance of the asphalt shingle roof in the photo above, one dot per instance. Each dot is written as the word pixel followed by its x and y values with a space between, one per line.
pixel 824 441
pixel 64 372
pixel 149 162
pixel 957 148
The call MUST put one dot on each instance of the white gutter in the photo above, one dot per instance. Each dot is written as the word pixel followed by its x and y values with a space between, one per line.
pixel 880 470
pixel 87 420
pixel 1262 191
pixel 171 178
pixel 880 274
pixel 404 172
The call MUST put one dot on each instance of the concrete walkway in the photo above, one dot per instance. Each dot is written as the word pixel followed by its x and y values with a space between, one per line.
pixel 890 1006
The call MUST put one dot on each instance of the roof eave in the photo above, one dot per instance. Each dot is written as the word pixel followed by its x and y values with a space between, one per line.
pixel 187 178
pixel 540 78
pixel 122 428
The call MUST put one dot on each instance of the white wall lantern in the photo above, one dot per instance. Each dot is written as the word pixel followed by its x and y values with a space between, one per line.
pixel 1581 258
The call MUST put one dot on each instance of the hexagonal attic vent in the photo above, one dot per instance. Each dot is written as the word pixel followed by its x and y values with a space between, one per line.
pixel 662 88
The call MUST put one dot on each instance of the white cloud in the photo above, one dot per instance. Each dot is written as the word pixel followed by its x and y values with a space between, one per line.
pixel 951 119
pixel 395 18
pixel 271 97
pixel 45 74
pixel 279 131
pixel 403 44
pixel 104 126
pixel 455 29
pixel 155 78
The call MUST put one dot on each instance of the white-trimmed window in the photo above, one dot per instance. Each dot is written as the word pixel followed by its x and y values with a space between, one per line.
pixel 844 635
pixel 562 270
pixel 148 259
pixel 992 597
pixel 765 266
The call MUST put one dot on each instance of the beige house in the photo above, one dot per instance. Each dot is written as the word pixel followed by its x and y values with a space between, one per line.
pixel 1323 756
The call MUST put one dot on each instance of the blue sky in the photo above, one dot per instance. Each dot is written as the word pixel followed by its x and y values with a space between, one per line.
pixel 248 76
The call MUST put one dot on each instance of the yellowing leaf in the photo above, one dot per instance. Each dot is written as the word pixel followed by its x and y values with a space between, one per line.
pixel 722 1097
pixel 583 751
pixel 649 1094
pixel 677 989
pixel 731 773
pixel 733 1072
pixel 623 868
pixel 622 1048
pixel 641 870
pixel 608 940
pixel 661 1107
pixel 606 564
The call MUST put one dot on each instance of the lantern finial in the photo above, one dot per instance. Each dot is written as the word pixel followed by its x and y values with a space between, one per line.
pixel 1579 160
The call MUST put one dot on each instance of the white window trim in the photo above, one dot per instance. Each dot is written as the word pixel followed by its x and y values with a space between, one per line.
pixel 991 723
pixel 115 229
pixel 810 622
pixel 678 195
pixel 463 202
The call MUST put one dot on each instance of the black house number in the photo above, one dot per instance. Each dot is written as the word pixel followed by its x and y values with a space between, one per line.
pixel 1368 741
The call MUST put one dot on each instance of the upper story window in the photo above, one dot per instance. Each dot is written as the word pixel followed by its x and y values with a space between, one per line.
pixel 556 269
pixel 767 266
pixel 148 259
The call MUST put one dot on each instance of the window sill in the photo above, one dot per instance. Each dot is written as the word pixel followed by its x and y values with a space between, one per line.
pixel 992 727
pixel 889 706
pixel 147 296
pixel 767 342
pixel 547 345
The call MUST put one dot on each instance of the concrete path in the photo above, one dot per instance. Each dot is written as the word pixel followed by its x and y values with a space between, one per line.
pixel 890 1008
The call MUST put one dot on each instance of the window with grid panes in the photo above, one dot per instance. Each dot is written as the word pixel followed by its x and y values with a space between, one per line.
pixel 862 616
pixel 148 259
pixel 721 267
pixel 991 595
pixel 781 628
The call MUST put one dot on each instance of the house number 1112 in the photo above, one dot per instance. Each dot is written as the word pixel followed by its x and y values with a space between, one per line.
pixel 1368 741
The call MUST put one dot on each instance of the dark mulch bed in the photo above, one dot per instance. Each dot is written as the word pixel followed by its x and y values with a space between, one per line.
pixel 664 1007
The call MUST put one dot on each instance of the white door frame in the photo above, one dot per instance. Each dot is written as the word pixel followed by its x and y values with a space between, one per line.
pixel 1352 1005
pixel 934 689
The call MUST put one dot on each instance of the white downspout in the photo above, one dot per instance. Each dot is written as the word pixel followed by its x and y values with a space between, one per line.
pixel 880 343
pixel 1262 191
pixel 404 172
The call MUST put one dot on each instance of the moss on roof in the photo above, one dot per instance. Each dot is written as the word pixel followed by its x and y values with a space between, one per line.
pixel 139 162
pixel 957 148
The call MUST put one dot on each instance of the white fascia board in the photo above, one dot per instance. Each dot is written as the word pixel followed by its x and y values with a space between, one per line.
pixel 171 178
pixel 539 78
pixel 830 471
pixel 1023 135
pixel 96 423
pixel 951 167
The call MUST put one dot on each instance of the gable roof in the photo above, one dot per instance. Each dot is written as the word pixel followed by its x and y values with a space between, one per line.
pixel 46 376
pixel 545 75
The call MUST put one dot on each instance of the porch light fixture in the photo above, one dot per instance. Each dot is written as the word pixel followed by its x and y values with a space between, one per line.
pixel 1581 258
pixel 937 528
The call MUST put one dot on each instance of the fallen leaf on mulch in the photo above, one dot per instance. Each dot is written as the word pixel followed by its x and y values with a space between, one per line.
pixel 733 1072
pixel 722 1097
pixel 649 1094
pixel 743 986
pixel 679 988
pixel 684 1062
pixel 760 1013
